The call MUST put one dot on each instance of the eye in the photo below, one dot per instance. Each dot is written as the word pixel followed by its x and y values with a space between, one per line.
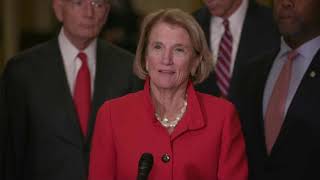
pixel 98 3
pixel 76 2
pixel 156 46
pixel 180 49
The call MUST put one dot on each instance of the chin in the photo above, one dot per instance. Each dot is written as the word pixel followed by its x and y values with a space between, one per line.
pixel 163 84
pixel 289 31
pixel 166 85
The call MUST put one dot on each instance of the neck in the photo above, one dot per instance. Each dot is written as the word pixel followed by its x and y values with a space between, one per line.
pixel 80 44
pixel 296 41
pixel 168 102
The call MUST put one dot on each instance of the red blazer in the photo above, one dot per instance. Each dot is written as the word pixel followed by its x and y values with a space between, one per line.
pixel 207 144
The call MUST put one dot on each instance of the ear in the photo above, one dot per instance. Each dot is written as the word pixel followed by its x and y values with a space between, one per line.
pixel 57 7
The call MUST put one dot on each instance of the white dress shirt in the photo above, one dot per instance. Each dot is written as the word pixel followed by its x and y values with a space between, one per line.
pixel 72 63
pixel 306 53
pixel 235 25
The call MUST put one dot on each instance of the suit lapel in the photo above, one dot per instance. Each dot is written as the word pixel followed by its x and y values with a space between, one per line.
pixel 255 94
pixel 304 100
pixel 102 83
pixel 249 42
pixel 66 124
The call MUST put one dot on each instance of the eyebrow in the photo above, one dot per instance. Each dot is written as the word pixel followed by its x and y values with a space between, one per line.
pixel 178 44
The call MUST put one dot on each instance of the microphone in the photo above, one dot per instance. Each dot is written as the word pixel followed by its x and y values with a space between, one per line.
pixel 145 165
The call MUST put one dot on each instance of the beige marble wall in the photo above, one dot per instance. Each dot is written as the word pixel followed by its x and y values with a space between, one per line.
pixel 146 6
pixel 10 29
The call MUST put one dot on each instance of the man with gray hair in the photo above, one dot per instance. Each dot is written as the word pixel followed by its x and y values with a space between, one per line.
pixel 53 91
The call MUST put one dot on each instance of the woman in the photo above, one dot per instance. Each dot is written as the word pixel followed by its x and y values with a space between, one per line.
pixel 192 136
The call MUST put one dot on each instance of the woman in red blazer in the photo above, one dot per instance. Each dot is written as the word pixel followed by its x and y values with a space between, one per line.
pixel 192 136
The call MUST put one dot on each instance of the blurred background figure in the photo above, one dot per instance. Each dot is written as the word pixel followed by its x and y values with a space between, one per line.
pixel 3 131
pixel 26 23
pixel 236 31
pixel 122 25
pixel 53 90
pixel 281 98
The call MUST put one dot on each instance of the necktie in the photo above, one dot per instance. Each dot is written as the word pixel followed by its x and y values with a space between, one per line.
pixel 276 106
pixel 82 93
pixel 223 65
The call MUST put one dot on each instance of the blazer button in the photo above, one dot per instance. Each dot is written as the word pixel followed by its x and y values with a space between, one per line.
pixel 165 158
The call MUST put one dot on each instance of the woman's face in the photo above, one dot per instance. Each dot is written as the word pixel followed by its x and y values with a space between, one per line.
pixel 169 56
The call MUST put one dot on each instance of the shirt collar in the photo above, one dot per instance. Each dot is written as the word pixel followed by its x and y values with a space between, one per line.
pixel 236 19
pixel 70 52
pixel 307 49
pixel 239 15
pixel 310 48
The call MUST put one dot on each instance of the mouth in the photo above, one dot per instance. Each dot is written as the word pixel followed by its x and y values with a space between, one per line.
pixel 286 19
pixel 166 71
pixel 87 26
pixel 285 15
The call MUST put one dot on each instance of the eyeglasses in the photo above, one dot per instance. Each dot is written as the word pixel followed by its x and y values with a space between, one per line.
pixel 93 3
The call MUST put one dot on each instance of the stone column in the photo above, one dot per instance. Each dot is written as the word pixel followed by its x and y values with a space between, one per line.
pixel 11 29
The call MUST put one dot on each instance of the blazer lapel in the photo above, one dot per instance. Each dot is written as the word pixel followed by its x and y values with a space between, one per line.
pixel 103 81
pixel 66 124
pixel 193 119
pixel 249 42
pixel 256 100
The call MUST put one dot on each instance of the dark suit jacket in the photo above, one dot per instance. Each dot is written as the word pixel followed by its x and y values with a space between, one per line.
pixel 45 136
pixel 259 34
pixel 295 155
pixel 3 130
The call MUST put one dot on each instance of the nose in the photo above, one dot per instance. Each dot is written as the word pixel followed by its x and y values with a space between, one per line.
pixel 167 58
pixel 89 8
pixel 285 3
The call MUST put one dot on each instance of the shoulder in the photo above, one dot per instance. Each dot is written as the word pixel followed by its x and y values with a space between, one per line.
pixel 264 59
pixel 33 56
pixel 124 102
pixel 111 56
pixel 259 9
pixel 261 13
pixel 35 52
pixel 109 50
pixel 214 103
pixel 201 14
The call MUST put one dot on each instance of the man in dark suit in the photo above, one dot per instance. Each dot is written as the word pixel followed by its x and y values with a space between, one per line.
pixel 253 32
pixel 3 130
pixel 54 90
pixel 281 97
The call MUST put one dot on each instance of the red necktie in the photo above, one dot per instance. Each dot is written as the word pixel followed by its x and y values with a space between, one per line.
pixel 82 93
pixel 276 106
pixel 223 65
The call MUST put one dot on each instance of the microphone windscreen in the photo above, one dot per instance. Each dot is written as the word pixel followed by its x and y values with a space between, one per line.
pixel 145 165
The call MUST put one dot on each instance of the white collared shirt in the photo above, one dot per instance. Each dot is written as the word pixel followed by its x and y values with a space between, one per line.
pixel 72 63
pixel 236 21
